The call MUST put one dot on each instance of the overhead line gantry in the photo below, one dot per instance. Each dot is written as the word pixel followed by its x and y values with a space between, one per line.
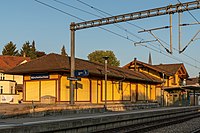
pixel 170 9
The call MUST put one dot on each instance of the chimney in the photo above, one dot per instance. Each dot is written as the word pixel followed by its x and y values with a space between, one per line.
pixel 24 54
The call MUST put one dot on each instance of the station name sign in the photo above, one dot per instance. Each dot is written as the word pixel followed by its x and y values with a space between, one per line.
pixel 39 76
pixel 81 73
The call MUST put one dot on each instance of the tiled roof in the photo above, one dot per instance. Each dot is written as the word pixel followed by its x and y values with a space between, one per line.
pixel 192 81
pixel 58 63
pixel 167 69
pixel 172 68
pixel 8 62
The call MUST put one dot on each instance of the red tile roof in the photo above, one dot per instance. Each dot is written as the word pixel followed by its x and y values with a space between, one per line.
pixel 193 81
pixel 8 62
pixel 58 63
pixel 172 68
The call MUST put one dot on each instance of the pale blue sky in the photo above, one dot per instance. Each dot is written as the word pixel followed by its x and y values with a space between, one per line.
pixel 27 20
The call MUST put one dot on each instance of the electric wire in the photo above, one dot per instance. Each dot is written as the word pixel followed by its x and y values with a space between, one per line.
pixel 175 58
pixel 76 8
pixel 178 51
pixel 117 25
pixel 113 32
pixel 189 12
pixel 81 19
pixel 137 27
pixel 59 10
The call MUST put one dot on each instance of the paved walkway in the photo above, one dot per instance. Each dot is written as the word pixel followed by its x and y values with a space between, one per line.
pixel 42 119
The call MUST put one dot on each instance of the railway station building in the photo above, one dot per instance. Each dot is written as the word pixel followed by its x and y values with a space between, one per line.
pixel 173 76
pixel 48 77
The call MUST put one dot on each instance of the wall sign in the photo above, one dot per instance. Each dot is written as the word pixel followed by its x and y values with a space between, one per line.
pixel 81 73
pixel 39 76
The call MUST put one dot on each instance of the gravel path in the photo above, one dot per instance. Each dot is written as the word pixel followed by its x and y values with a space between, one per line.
pixel 184 127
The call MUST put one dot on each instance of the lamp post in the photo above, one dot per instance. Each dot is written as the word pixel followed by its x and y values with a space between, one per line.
pixel 162 89
pixel 106 62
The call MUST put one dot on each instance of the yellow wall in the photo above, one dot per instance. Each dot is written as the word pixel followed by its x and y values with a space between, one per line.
pixel 54 76
pixel 126 91
pixel 87 90
pixel 150 72
pixel 94 91
pixel 27 78
pixel 133 92
pixel 171 80
pixel 48 88
pixel 35 89
pixel 7 85
pixel 64 89
pixel 32 91
pixel 141 92
pixel 109 91
pixel 99 91
pixel 117 91
pixel 17 78
pixel 82 92
pixel 153 92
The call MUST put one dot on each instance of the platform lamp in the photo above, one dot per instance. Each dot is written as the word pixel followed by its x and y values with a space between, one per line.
pixel 106 65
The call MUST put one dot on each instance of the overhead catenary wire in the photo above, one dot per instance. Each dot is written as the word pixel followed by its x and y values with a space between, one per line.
pixel 110 31
pixel 189 13
pixel 81 19
pixel 99 10
pixel 117 25
pixel 181 51
pixel 59 10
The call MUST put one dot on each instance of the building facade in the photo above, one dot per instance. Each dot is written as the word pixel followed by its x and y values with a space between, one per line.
pixel 171 75
pixel 49 77
pixel 9 82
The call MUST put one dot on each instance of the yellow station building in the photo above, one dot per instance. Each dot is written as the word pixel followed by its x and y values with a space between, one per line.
pixel 48 76
pixel 171 75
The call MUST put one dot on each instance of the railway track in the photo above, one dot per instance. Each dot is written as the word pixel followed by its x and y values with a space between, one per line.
pixel 196 131
pixel 148 126
pixel 126 122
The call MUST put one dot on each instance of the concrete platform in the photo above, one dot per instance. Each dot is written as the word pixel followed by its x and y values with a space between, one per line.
pixel 85 122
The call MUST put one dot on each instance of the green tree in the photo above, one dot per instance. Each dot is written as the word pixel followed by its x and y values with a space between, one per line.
pixel 33 54
pixel 63 51
pixel 10 49
pixel 97 56
pixel 28 50
pixel 25 50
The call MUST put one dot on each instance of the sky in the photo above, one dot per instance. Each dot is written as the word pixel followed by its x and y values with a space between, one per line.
pixel 28 20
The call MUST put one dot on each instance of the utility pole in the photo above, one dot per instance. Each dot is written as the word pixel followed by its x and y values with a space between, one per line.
pixel 106 65
pixel 170 29
pixel 179 31
pixel 72 63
